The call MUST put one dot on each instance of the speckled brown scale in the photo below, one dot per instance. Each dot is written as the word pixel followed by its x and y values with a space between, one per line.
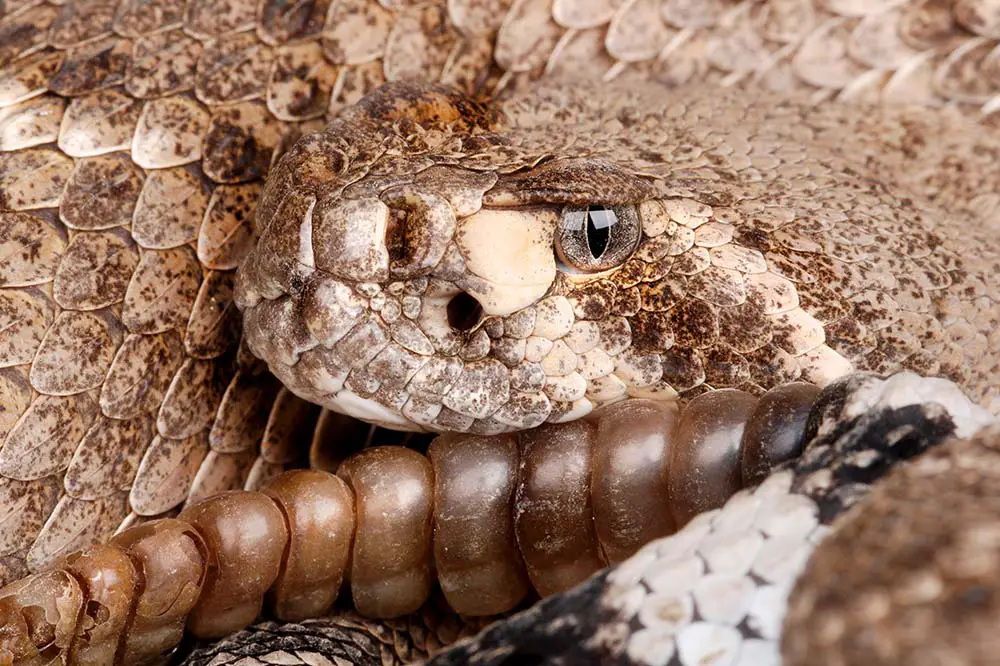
pixel 99 123
pixel 31 123
pixel 166 472
pixel 207 19
pixel 135 18
pixel 107 458
pixel 228 232
pixel 140 374
pixel 44 438
pixel 281 23
pixel 92 66
pixel 169 133
pixel 29 249
pixel 76 352
pixel 233 69
pixel 27 504
pixel 240 143
pixel 25 32
pixel 162 64
pixel 101 192
pixel 33 178
pixel 29 76
pixel 300 82
pixel 170 208
pixel 191 400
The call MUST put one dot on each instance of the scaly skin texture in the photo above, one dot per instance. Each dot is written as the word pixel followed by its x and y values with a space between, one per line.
pixel 133 146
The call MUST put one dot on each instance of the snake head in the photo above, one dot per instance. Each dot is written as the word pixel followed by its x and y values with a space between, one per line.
pixel 419 269
pixel 429 263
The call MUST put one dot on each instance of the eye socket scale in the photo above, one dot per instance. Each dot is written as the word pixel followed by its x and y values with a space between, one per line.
pixel 596 238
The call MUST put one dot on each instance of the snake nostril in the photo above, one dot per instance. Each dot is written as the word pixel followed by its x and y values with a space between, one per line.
pixel 464 312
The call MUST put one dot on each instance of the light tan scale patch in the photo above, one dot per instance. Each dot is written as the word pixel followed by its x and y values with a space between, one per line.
pixel 605 389
pixel 101 192
pixel 25 315
pixel 107 459
pixel 692 261
pixel 565 387
pixel 215 324
pixel 76 352
pixel 419 44
pixel 29 78
pixel 526 37
pixel 76 25
pixel 170 208
pixel 192 399
pixel 95 270
pixel 162 64
pixel 227 232
pixel 209 19
pixel 169 133
pixel 719 286
pixel 218 473
pixel 24 507
pixel 162 291
pixel 31 123
pixel 586 14
pixel 473 17
pixel 44 438
pixel 776 293
pixel 353 83
pixel 166 472
pixel 637 31
pixel 33 178
pixel 99 123
pixel 233 69
pixel 16 395
pixel 560 359
pixel 300 83
pixel 357 32
pixel 30 248
pixel 243 412
pixel 797 332
pixel 141 17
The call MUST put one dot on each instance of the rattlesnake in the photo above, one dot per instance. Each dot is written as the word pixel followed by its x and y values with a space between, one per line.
pixel 765 230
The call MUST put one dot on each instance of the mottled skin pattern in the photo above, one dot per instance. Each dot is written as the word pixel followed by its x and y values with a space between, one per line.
pixel 135 138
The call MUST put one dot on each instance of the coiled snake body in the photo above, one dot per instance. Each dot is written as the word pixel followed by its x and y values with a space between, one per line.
pixel 663 198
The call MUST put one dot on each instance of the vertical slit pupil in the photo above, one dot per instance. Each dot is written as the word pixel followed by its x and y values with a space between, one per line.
pixel 599 223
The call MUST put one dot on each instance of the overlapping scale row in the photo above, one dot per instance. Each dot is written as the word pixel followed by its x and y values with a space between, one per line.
pixel 491 519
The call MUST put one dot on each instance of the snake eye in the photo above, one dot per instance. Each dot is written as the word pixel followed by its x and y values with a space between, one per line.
pixel 596 238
